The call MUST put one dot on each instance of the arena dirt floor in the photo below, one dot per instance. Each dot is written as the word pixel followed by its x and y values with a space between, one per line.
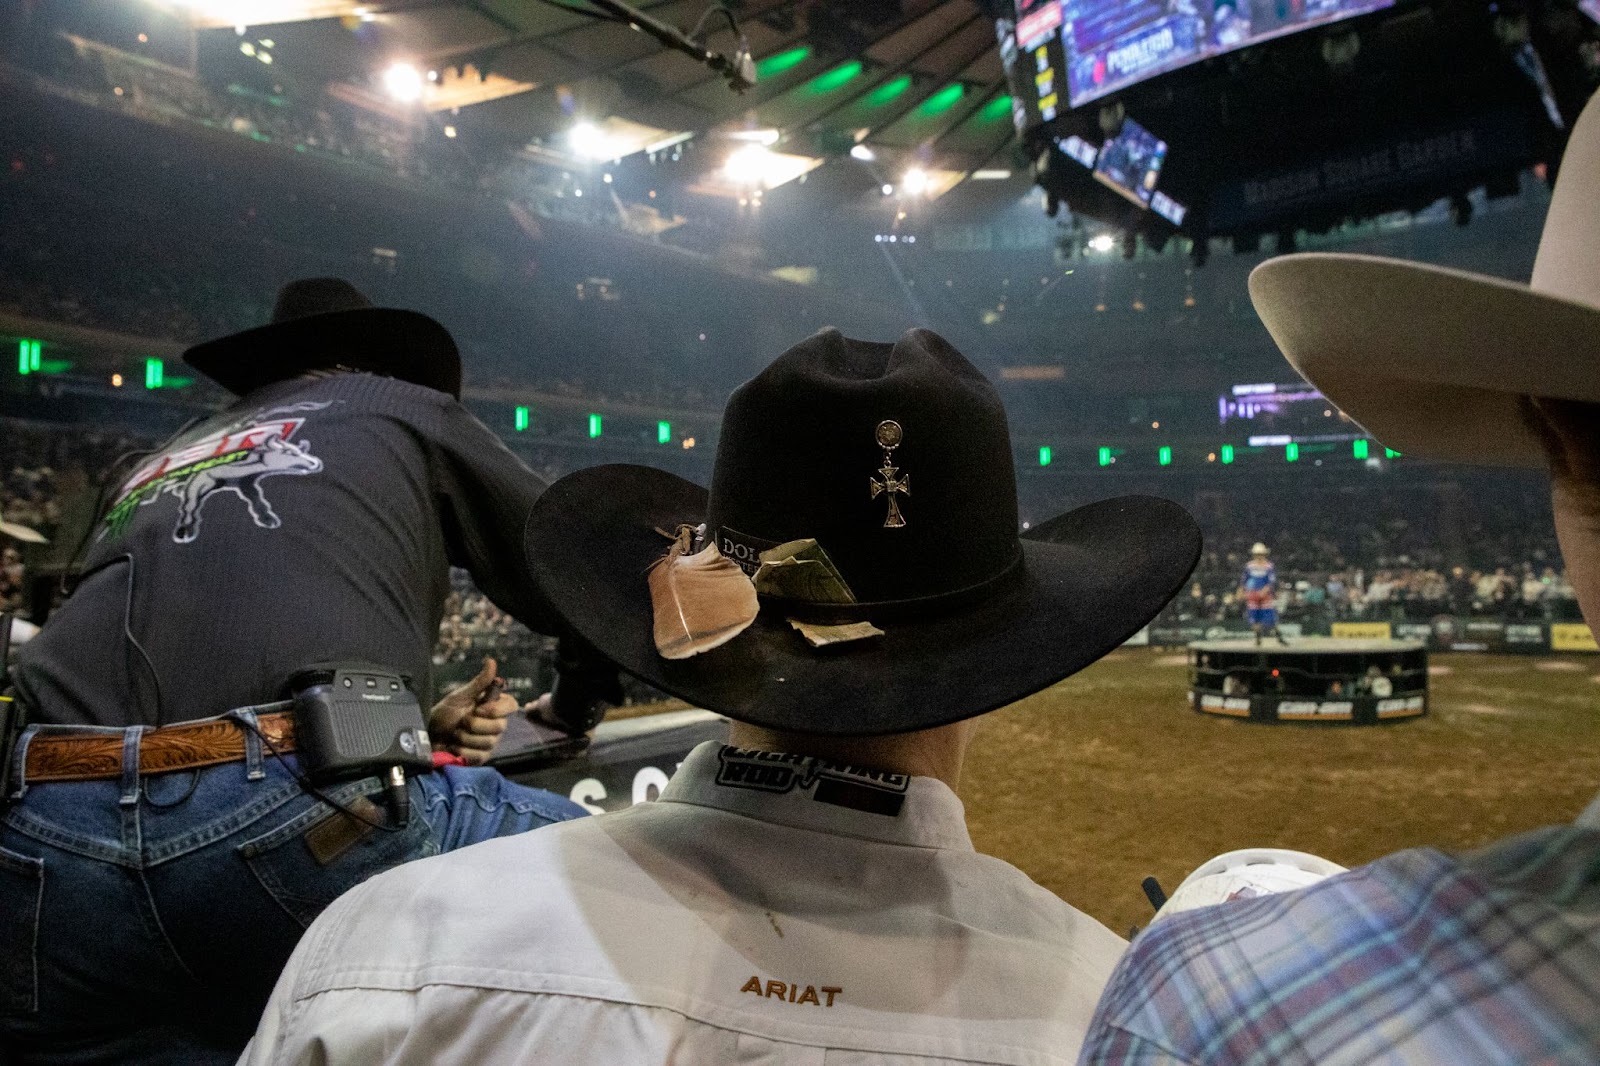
pixel 1108 777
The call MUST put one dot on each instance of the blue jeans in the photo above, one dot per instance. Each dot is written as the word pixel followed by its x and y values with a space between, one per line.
pixel 145 920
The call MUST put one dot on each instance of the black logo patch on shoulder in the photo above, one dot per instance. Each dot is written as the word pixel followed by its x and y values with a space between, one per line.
pixel 855 787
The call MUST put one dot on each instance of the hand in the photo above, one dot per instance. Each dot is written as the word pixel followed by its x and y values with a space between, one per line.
pixel 469 721
pixel 539 710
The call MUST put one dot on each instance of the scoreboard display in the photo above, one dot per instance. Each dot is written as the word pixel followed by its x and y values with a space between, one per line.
pixel 1076 51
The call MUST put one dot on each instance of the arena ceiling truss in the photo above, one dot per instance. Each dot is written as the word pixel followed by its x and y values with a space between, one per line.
pixel 915 83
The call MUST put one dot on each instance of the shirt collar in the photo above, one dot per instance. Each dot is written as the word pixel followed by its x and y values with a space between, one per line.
pixel 811 793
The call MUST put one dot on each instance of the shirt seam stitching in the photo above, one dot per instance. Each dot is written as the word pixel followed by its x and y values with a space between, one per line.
pixel 990 1047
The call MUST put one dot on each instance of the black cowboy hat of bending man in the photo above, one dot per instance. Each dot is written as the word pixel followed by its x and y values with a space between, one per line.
pixel 320 323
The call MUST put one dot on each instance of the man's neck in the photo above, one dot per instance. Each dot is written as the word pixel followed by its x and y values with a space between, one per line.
pixel 936 752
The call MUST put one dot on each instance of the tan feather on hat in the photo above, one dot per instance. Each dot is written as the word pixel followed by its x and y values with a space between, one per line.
pixel 1433 361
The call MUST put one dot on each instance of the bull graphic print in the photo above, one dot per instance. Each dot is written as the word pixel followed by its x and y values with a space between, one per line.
pixel 232 461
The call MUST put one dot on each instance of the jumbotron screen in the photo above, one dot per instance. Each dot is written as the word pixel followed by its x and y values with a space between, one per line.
pixel 1076 51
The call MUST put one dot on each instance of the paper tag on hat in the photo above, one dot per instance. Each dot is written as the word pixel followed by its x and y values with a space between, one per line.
pixel 801 570
pixel 820 636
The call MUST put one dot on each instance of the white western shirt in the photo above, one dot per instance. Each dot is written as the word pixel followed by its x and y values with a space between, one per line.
pixel 767 910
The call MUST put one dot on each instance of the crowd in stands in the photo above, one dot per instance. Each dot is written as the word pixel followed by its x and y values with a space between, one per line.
pixel 1331 567
pixel 330 128
pixel 1525 593
pixel 47 478
pixel 474 627
pixel 312 122
pixel 1387 555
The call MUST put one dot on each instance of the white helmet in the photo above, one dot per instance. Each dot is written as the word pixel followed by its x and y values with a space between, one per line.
pixel 1259 548
pixel 1245 874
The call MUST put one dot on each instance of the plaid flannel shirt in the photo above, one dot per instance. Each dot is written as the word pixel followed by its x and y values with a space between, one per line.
pixel 1420 957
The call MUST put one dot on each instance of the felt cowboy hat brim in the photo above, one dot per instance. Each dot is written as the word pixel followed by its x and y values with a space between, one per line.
pixel 1089 580
pixel 1434 362
pixel 1431 361
pixel 398 343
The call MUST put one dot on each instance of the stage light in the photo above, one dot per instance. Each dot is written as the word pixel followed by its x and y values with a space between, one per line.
pixel 833 79
pixel 888 91
pixel 116 381
pixel 591 142
pixel 777 64
pixel 521 419
pixel 688 442
pixel 863 153
pixel 663 432
pixel 943 100
pixel 594 426
pixel 1390 453
pixel 27 356
pixel 450 131
pixel 748 165
pixel 887 190
pixel 606 178
pixel 404 82
pixel 1102 243
pixel 915 182
pixel 155 372
pixel 1360 449
pixel 1045 456
pixel 1105 456
pixel 1291 453
pixel 1165 456
pixel 1227 454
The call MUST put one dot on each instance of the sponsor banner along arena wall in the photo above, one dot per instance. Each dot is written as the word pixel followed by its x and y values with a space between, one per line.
pixel 1445 633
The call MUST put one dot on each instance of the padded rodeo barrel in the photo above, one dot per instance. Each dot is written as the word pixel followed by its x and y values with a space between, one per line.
pixel 1320 680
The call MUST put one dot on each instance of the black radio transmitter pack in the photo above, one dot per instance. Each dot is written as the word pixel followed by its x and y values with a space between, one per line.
pixel 354 719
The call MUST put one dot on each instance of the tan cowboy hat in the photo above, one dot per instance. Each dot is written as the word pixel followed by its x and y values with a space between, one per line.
pixel 1434 362
pixel 22 533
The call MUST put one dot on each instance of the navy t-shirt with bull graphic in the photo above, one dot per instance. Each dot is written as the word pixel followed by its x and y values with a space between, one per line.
pixel 314 520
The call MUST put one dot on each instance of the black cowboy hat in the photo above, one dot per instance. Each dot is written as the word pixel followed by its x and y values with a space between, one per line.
pixel 325 322
pixel 974 617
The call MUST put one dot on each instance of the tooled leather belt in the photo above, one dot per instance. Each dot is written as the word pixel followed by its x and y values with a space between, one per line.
pixel 186 746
